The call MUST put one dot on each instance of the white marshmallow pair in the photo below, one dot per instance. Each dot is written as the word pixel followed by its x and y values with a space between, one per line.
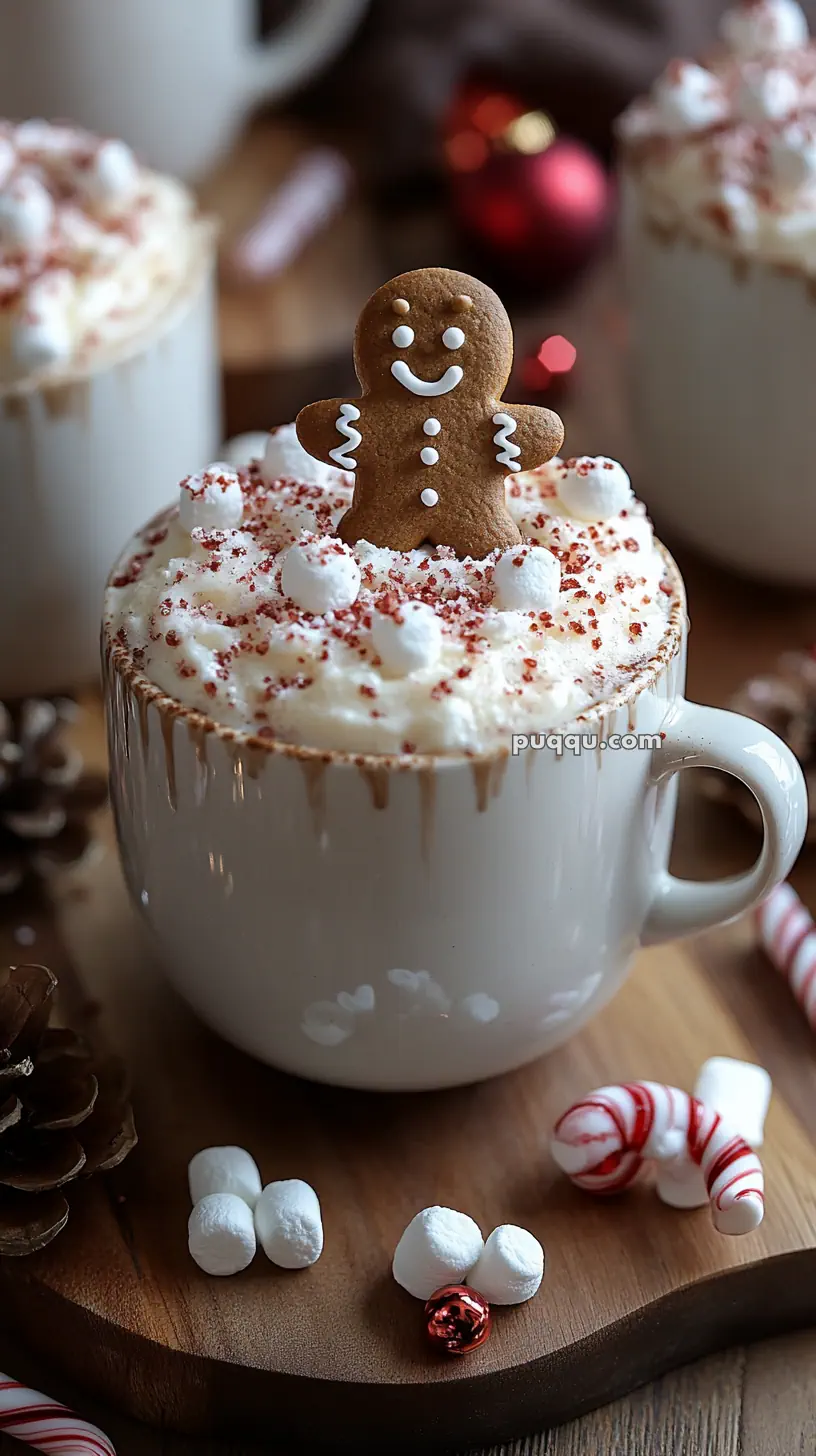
pixel 441 1246
pixel 233 1212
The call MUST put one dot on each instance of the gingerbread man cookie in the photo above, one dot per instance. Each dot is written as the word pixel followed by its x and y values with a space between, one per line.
pixel 430 440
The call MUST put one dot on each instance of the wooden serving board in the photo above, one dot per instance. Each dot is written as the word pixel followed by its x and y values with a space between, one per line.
pixel 336 1352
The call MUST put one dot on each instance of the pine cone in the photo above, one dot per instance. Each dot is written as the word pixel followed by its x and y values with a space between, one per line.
pixel 785 702
pixel 63 1113
pixel 45 795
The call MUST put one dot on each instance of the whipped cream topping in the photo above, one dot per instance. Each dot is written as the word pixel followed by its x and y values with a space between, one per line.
pixel 727 150
pixel 275 627
pixel 92 246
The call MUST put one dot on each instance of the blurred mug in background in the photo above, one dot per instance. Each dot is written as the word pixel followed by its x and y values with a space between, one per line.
pixel 174 78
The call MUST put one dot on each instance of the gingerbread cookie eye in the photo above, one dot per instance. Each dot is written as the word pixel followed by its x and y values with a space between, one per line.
pixel 403 337
pixel 453 338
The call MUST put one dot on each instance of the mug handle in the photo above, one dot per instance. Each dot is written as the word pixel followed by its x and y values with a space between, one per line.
pixel 307 41
pixel 702 737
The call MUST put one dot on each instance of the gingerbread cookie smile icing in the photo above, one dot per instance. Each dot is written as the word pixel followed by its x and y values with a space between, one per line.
pixel 425 475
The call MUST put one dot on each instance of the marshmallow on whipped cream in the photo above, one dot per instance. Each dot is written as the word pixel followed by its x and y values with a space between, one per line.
pixel 269 624
pixel 725 149
pixel 93 247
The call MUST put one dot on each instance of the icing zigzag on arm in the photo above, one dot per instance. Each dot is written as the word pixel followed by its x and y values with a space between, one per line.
pixel 509 453
pixel 348 412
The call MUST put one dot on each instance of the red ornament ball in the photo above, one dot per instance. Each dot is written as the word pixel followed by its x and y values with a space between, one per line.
pixel 545 213
pixel 457 1319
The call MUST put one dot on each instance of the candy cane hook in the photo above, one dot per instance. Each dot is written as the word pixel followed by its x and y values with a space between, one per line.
pixel 603 1141
pixel 46 1425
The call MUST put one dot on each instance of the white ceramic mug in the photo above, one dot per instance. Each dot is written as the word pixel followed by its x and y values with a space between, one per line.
pixel 174 78
pixel 82 458
pixel 723 359
pixel 418 923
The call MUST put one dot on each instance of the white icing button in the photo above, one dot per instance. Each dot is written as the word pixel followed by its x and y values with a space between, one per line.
pixel 429 456
pixel 429 497
pixel 432 426
pixel 403 337
pixel 453 338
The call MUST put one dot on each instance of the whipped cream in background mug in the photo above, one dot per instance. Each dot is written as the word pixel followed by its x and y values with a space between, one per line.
pixel 108 379
pixel 344 868
pixel 719 233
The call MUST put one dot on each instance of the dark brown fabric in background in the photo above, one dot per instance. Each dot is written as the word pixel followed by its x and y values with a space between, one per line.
pixel 581 60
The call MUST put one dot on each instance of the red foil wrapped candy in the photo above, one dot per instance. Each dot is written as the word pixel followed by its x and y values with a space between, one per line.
pixel 457 1319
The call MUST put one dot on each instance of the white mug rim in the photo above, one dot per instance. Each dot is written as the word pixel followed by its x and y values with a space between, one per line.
pixel 120 660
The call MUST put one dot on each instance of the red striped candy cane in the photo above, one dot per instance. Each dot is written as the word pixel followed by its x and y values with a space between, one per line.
pixel 788 935
pixel 46 1425
pixel 603 1141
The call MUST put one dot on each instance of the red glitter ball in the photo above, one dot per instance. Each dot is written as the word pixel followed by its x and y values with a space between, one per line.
pixel 457 1319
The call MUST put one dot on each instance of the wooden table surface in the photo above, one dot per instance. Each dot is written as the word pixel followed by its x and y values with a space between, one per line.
pixel 281 340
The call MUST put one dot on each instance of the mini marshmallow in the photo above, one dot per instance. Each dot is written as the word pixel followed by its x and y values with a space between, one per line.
pixel 439 1246
pixel 288 1224
pixel 224 1170
pixel 593 488
pixel 245 449
pixel 111 179
pixel 764 28
pixel 407 640
pixel 212 500
pixel 221 1234
pixel 284 458
pixel 8 160
pixel 688 98
pixel 527 578
pixel 320 575
pixel 45 142
pixel 767 95
pixel 739 1091
pixel 510 1268
pixel 26 213
pixel 41 335
pixel 792 156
